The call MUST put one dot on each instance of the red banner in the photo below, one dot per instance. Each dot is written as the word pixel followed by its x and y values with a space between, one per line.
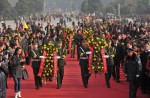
pixel 75 50
pixel 65 35
pixel 42 64
pixel 55 65
pixel 104 60
pixel 90 60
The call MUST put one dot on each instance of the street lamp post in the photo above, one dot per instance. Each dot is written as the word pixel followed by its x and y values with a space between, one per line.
pixel 44 6
pixel 119 10
pixel 71 3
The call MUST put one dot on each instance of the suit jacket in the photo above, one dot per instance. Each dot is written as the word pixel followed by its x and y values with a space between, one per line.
pixel 144 57
pixel 148 67
pixel 119 52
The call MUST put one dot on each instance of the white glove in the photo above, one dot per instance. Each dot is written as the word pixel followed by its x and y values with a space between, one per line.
pixel 88 52
pixel 126 75
pixel 137 76
pixel 42 57
pixel 57 57
pixel 106 56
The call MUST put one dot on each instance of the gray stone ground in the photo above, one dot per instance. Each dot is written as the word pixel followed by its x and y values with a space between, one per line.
pixel 53 22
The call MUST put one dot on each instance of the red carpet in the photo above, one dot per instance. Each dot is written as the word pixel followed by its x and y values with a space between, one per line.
pixel 72 86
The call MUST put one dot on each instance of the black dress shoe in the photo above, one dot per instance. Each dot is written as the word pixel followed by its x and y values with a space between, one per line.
pixel 144 92
pixel 88 75
pixel 118 81
pixel 41 85
pixel 127 80
pixel 37 88
pixel 108 86
pixel 58 88
pixel 134 96
pixel 51 79
pixel 85 86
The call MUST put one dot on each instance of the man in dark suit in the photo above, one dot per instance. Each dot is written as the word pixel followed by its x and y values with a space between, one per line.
pixel 78 39
pixel 117 60
pixel 144 57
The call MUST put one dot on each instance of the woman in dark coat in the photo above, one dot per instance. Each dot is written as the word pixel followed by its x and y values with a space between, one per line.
pixel 133 67
pixel 3 72
pixel 16 62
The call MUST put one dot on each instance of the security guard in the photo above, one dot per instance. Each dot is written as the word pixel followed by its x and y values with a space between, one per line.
pixel 133 66
pixel 84 63
pixel 35 53
pixel 110 51
pixel 61 63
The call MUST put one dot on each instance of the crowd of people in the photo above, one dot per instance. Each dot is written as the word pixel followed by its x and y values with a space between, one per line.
pixel 127 46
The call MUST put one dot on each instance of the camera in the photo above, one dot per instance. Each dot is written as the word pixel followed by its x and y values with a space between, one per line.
pixel 6 52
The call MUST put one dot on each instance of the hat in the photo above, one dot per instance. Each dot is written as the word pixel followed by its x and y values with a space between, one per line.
pixel 130 50
pixel 59 42
pixel 34 43
pixel 115 38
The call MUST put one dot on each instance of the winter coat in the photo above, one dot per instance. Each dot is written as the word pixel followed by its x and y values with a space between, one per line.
pixel 133 66
pixel 16 67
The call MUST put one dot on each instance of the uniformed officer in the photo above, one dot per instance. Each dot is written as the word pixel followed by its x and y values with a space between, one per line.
pixel 35 53
pixel 61 63
pixel 117 60
pixel 110 51
pixel 133 67
pixel 84 63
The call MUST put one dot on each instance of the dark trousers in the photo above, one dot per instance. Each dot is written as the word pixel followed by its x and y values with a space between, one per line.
pixel 78 54
pixel 17 85
pixel 133 85
pixel 37 79
pixel 84 71
pixel 108 75
pixel 60 75
pixel 116 70
pixel 144 82
pixel 2 85
pixel 148 84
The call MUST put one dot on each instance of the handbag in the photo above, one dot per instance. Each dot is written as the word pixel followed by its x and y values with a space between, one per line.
pixel 4 69
pixel 25 75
